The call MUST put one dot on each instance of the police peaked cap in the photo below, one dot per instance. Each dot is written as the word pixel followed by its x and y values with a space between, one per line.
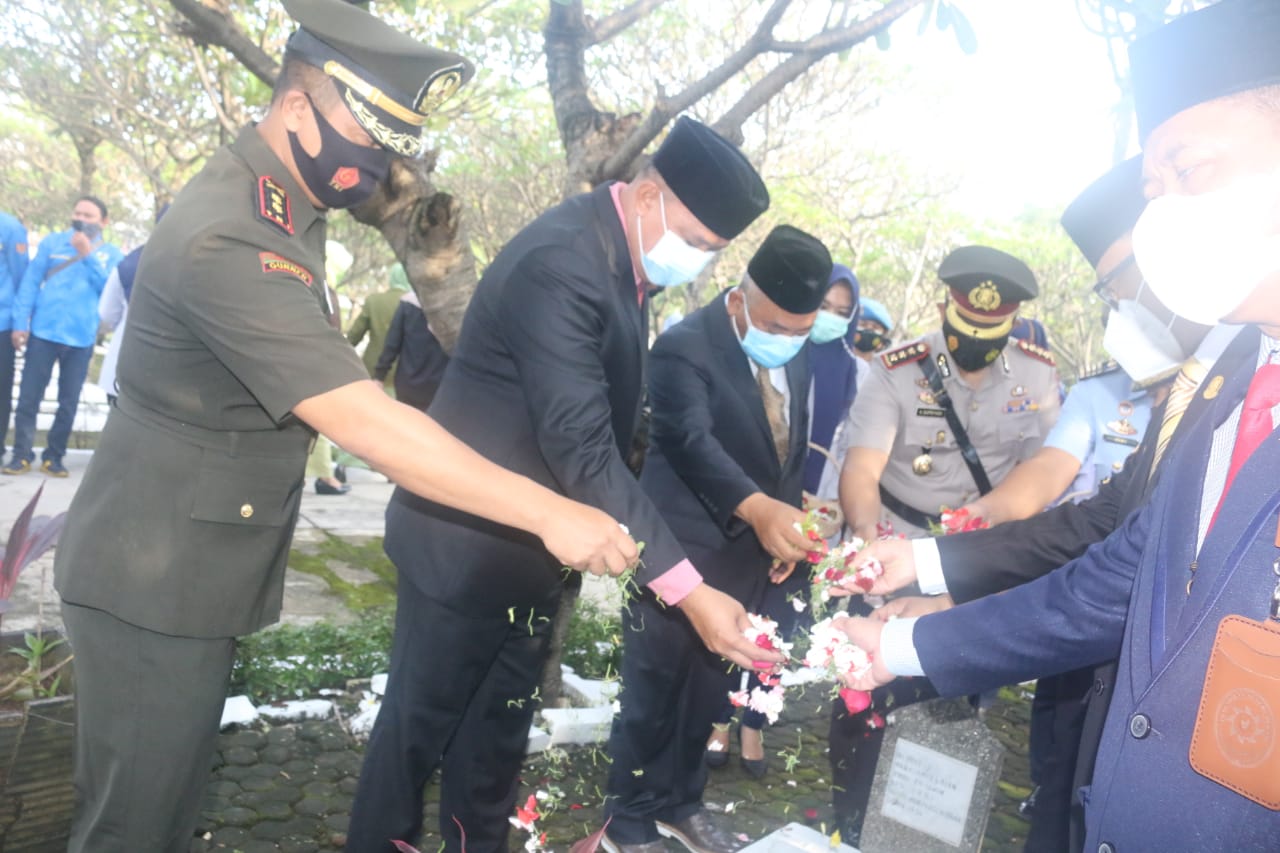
pixel 1106 210
pixel 390 81
pixel 1220 50
pixel 986 287
pixel 711 177
pixel 793 269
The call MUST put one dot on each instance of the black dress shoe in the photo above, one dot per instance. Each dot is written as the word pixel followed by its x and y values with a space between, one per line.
pixel 700 834
pixel 340 473
pixel 755 767
pixel 612 846
pixel 323 488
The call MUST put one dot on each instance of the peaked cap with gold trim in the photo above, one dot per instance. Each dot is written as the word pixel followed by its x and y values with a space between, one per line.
pixel 390 81
pixel 987 285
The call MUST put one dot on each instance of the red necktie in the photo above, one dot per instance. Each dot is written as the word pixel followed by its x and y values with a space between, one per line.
pixel 1255 422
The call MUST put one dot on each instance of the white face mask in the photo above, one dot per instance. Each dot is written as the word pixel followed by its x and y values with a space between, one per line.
pixel 1144 347
pixel 1204 254
pixel 671 261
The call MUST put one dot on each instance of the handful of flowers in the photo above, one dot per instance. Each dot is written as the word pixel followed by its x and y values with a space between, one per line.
pixel 836 568
pixel 831 650
pixel 768 698
pixel 957 521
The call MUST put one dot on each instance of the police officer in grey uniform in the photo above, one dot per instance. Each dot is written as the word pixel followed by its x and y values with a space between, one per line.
pixel 942 418
pixel 177 540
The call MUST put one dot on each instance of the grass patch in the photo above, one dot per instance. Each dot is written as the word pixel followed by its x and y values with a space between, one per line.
pixel 593 644
pixel 293 662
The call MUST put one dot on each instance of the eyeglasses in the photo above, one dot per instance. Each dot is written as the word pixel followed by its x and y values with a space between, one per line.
pixel 1102 288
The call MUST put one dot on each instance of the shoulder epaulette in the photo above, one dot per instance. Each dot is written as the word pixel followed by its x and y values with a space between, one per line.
pixel 905 354
pixel 1109 366
pixel 1038 353
pixel 273 205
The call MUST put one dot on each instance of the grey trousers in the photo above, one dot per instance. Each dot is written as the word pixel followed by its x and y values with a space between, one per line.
pixel 147 712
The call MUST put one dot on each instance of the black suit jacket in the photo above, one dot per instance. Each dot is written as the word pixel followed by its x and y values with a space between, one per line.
pixel 988 561
pixel 711 447
pixel 546 379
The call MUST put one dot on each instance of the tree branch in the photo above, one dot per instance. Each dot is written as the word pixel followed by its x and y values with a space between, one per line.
pixel 610 25
pixel 217 27
pixel 664 108
pixel 806 54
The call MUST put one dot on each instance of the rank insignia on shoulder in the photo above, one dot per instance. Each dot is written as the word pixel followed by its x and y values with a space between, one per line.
pixel 271 262
pixel 273 204
pixel 905 355
pixel 1038 353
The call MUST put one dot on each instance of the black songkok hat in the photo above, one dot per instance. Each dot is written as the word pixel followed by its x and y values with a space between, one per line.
pixel 1106 210
pixel 1220 50
pixel 390 81
pixel 711 177
pixel 793 269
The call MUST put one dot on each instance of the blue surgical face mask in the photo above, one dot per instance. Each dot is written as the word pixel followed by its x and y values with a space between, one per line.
pixel 671 261
pixel 828 326
pixel 768 349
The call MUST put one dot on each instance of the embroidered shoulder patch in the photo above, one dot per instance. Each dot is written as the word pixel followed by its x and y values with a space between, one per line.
pixel 271 262
pixel 273 204
pixel 1038 353
pixel 905 355
pixel 20 248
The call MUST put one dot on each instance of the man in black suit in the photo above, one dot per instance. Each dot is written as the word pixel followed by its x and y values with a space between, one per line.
pixel 547 378
pixel 728 441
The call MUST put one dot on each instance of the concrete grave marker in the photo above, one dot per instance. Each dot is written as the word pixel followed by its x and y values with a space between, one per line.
pixel 935 781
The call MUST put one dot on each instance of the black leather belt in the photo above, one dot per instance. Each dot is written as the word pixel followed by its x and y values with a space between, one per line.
pixel 907 513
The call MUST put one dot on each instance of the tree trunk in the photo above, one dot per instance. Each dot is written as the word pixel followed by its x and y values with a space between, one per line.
pixel 427 231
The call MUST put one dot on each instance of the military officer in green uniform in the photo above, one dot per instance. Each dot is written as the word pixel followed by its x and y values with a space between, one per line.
pixel 177 539
pixel 944 417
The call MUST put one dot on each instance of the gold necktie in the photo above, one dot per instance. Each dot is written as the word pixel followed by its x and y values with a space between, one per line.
pixel 775 407
pixel 1184 388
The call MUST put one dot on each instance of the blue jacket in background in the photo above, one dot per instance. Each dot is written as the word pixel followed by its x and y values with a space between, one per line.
pixel 63 308
pixel 13 263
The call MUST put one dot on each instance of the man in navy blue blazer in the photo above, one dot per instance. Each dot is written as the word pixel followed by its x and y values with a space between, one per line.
pixel 1183 764
pixel 729 389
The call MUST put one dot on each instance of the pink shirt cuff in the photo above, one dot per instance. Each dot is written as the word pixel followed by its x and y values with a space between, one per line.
pixel 676 582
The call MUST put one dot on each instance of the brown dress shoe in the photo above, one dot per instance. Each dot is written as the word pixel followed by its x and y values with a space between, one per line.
pixel 612 846
pixel 700 834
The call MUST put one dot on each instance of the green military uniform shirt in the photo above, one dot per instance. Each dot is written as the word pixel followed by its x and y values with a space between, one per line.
pixel 1006 417
pixel 184 519
pixel 374 320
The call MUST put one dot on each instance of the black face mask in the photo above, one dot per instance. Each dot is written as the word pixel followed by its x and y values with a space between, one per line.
pixel 343 174
pixel 88 229
pixel 865 340
pixel 972 353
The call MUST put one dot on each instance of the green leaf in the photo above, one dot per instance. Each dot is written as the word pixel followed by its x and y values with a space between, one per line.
pixel 965 35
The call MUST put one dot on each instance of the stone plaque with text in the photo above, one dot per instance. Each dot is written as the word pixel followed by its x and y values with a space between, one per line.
pixel 935 781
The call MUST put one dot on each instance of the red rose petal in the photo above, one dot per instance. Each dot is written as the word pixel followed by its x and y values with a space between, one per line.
pixel 855 701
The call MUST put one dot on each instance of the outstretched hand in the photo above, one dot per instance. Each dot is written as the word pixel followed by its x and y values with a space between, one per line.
pixel 913 605
pixel 586 539
pixel 721 622
pixel 898 561
pixel 865 634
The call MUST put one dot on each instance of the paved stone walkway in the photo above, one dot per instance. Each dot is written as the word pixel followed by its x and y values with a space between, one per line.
pixel 289 787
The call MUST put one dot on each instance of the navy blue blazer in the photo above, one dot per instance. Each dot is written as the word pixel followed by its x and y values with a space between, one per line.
pixel 546 379
pixel 1127 596
pixel 710 446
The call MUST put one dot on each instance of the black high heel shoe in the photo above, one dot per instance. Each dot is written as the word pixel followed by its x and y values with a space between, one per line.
pixel 323 488
pixel 755 767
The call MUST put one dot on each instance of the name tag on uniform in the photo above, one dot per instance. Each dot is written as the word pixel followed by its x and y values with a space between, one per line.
pixel 931 413
pixel 1120 439
pixel 1234 741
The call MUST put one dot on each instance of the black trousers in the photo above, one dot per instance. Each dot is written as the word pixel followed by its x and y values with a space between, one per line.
pixel 147 713
pixel 672 691
pixel 1057 718
pixel 460 697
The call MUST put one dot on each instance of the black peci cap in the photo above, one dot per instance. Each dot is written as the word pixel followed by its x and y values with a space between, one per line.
pixel 711 177
pixel 1106 210
pixel 390 81
pixel 793 269
pixel 1220 50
